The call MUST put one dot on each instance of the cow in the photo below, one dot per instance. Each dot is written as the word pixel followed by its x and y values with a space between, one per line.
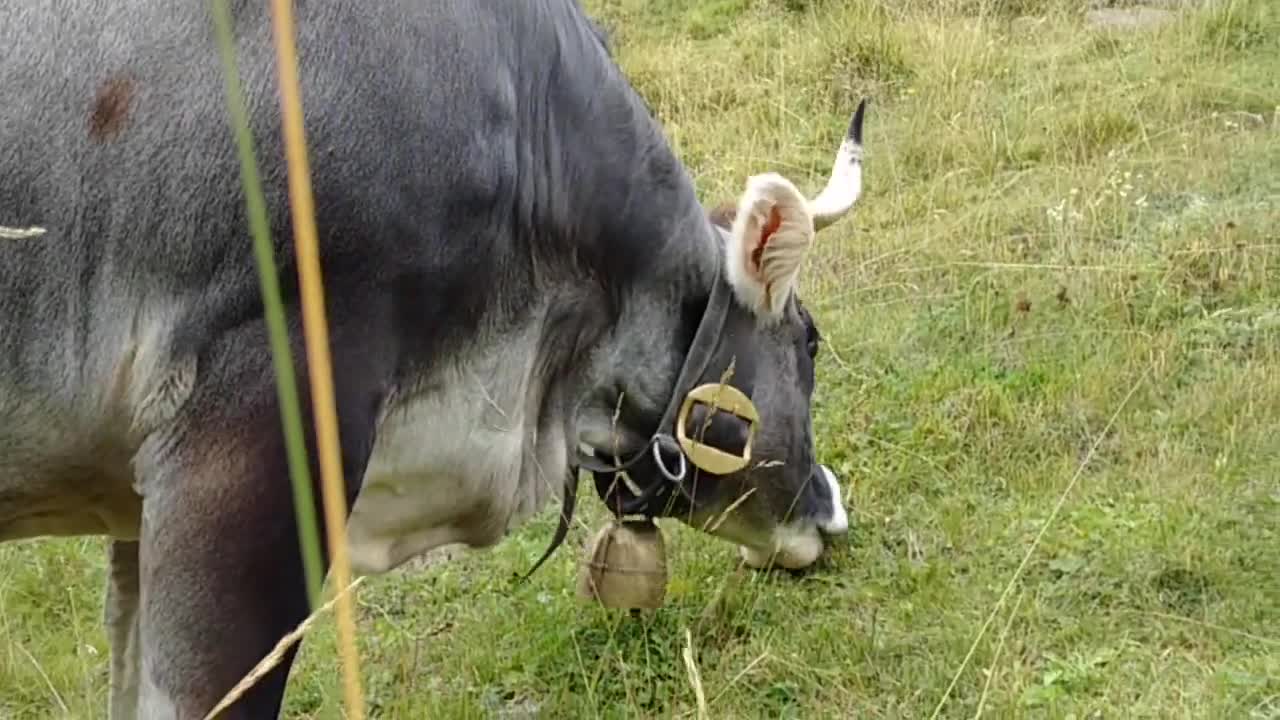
pixel 522 287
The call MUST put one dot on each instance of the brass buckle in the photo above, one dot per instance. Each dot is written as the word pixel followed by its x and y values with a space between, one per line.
pixel 726 398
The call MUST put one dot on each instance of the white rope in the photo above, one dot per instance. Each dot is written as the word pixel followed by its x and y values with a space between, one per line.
pixel 8 233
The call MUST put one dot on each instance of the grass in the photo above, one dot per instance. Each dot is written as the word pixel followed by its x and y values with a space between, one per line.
pixel 1062 228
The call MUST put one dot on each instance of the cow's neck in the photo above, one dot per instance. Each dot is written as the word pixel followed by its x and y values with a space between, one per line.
pixel 635 232
pixel 600 182
pixel 621 257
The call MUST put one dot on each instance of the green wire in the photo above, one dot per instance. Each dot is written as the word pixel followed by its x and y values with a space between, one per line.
pixel 286 388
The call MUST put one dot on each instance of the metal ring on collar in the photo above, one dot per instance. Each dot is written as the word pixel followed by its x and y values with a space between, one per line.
pixel 662 468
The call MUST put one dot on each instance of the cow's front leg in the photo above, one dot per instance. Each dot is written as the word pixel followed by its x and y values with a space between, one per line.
pixel 221 580
pixel 221 573
pixel 121 619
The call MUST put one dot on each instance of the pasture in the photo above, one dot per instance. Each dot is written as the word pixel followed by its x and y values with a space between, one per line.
pixel 1050 378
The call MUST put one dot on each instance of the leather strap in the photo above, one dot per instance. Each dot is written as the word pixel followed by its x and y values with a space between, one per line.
pixel 695 364
pixel 699 355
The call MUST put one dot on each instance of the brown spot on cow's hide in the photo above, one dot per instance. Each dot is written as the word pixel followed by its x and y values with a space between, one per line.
pixel 110 112
pixel 723 215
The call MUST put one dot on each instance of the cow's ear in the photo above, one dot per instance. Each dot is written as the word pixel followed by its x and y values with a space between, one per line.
pixel 771 234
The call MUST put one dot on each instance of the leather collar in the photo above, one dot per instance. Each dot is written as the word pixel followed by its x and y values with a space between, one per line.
pixel 666 492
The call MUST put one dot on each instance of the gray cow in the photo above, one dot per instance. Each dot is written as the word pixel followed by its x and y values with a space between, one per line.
pixel 522 284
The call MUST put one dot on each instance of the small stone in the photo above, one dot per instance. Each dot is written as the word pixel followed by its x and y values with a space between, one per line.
pixel 1127 18
pixel 1025 24
pixel 1245 119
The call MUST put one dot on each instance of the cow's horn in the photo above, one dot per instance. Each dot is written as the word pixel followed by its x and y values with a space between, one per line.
pixel 845 183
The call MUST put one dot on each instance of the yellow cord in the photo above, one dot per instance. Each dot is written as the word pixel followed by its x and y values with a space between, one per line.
pixel 317 346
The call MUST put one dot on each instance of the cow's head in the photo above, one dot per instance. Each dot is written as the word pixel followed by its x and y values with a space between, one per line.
pixel 740 339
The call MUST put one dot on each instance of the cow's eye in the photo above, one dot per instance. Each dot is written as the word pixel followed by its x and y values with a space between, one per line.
pixel 812 340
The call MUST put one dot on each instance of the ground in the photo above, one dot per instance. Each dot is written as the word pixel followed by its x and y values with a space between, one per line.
pixel 1052 378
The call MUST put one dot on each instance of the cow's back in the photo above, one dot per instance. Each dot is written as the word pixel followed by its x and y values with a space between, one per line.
pixel 114 137
pixel 114 133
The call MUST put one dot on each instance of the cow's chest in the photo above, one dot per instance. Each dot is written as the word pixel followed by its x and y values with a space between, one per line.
pixel 459 462
pixel 61 474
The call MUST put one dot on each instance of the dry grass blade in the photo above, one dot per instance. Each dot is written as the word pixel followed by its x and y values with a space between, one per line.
pixel 695 678
pixel 1044 528
pixel 45 676
pixel 273 658
pixel 316 334
pixel 714 522
pixel 1274 642
pixel 995 660
pixel 741 674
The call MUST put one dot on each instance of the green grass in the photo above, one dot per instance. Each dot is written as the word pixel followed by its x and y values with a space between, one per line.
pixel 1061 229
